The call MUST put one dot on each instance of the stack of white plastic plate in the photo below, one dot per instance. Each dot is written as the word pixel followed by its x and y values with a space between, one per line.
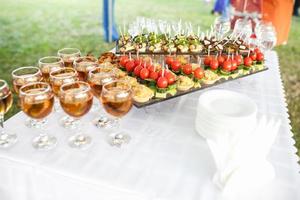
pixel 224 112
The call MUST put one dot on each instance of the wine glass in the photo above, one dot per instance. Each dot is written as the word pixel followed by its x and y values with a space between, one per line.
pixel 76 100
pixel 69 55
pixel 97 78
pixel 83 65
pixel 116 98
pixel 243 28
pixel 24 75
pixel 6 99
pixel 57 79
pixel 37 101
pixel 266 36
pixel 48 64
pixel 221 26
pixel 21 76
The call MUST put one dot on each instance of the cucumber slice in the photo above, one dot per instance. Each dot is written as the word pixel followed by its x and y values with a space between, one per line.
pixel 172 92
pixel 160 95
pixel 224 72
pixel 171 87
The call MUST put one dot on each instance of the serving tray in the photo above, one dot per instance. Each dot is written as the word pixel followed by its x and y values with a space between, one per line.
pixel 203 86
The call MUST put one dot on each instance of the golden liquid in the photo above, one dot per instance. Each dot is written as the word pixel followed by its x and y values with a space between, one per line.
pixel 82 75
pixel 56 84
pixel 77 107
pixel 96 89
pixel 16 87
pixel 117 108
pixel 39 106
pixel 5 103
pixel 68 63
pixel 46 77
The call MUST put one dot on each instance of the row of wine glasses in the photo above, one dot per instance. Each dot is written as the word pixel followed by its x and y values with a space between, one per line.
pixel 73 85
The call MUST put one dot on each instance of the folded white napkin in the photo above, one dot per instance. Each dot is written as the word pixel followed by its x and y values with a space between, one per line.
pixel 241 158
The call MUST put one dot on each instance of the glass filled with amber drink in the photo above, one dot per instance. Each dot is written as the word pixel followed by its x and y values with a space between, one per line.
pixel 7 138
pixel 76 100
pixel 24 75
pixel 49 64
pixel 37 101
pixel 83 65
pixel 97 78
pixel 116 98
pixel 69 55
pixel 57 79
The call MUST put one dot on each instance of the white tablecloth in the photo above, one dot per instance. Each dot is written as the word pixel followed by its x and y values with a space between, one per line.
pixel 166 159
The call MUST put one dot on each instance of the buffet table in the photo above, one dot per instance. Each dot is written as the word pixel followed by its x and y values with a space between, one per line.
pixel 166 158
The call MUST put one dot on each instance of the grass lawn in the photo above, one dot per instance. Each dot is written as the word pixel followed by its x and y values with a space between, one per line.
pixel 31 29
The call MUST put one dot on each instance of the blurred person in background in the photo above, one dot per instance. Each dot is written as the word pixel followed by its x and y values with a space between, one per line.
pixel 296 8
pixel 221 7
pixel 109 26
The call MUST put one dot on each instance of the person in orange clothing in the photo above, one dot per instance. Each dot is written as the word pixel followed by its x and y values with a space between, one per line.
pixel 279 12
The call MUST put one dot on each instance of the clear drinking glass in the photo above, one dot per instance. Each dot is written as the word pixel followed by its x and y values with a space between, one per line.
pixel 222 26
pixel 83 65
pixel 21 76
pixel 266 36
pixel 57 79
pixel 116 98
pixel 6 99
pixel 48 64
pixel 97 78
pixel 69 55
pixel 243 29
pixel 76 100
pixel 37 101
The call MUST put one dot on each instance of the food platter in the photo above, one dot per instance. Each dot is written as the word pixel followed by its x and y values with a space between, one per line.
pixel 203 86
pixel 193 74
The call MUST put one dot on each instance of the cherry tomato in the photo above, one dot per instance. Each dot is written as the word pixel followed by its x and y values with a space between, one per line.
pixel 233 65
pixel 253 56
pixel 144 73
pixel 198 73
pixel 226 65
pixel 123 60
pixel 153 75
pixel 138 61
pixel 214 64
pixel 151 68
pixel 130 65
pixel 260 57
pixel 137 70
pixel 220 59
pixel 162 82
pixel 187 69
pixel 238 59
pixel 247 62
pixel 170 78
pixel 257 50
pixel 175 65
pixel 163 72
pixel 207 60
pixel 169 60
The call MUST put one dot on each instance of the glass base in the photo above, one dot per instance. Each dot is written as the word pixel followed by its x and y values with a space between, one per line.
pixel 69 122
pixel 80 141
pixel 7 140
pixel 104 122
pixel 118 139
pixel 32 123
pixel 44 142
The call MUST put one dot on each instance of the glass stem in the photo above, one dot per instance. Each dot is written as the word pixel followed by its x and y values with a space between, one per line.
pixel 2 121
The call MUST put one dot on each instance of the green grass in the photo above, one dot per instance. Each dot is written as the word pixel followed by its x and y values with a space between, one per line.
pixel 31 29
